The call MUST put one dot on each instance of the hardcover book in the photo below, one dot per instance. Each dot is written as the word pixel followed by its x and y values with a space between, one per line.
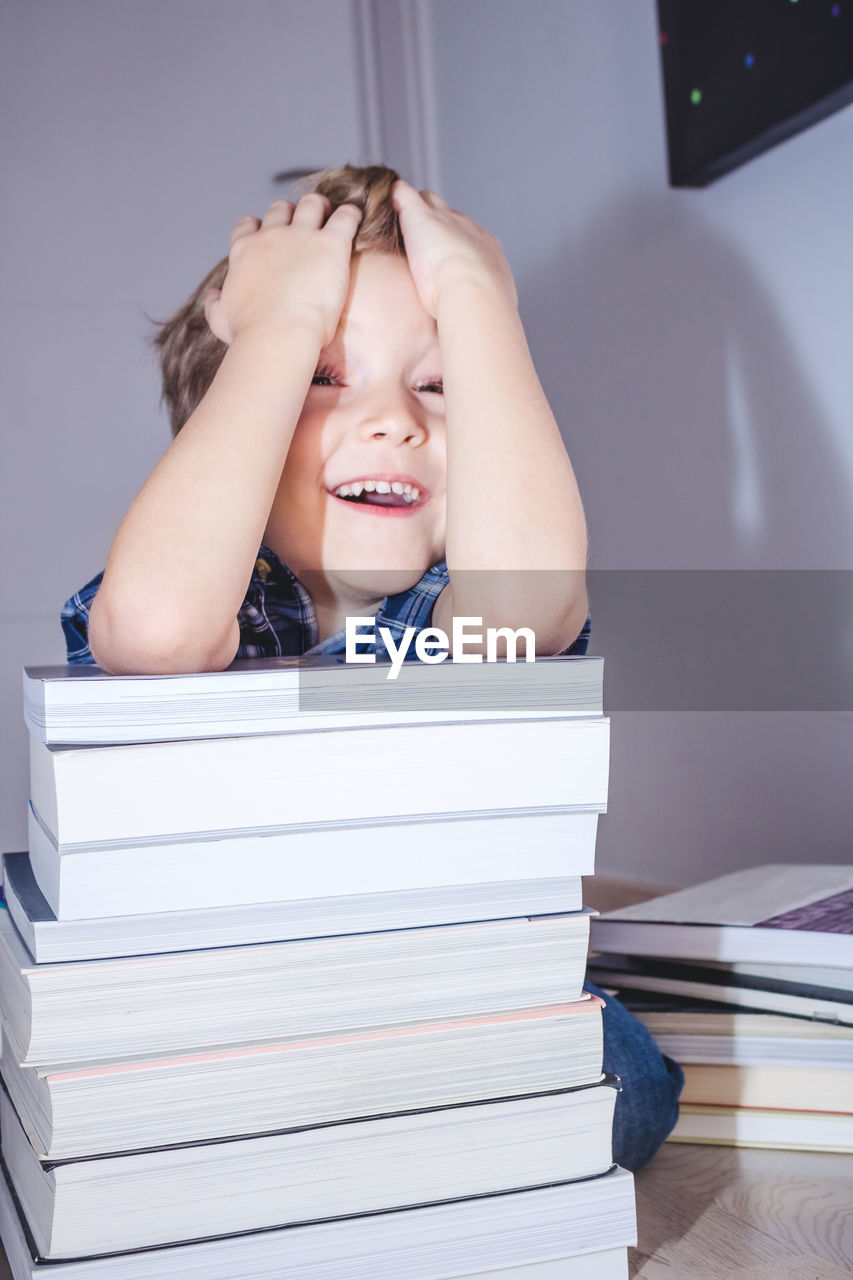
pixel 76 705
pixel 159 1196
pixel 778 914
pixel 143 1006
pixel 568 1231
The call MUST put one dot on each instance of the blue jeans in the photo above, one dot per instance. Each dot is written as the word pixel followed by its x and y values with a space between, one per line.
pixel 647 1107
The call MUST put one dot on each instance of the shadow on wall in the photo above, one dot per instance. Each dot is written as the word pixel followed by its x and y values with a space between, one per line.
pixel 697 441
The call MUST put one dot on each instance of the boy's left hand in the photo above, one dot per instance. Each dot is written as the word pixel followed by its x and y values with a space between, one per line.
pixel 445 248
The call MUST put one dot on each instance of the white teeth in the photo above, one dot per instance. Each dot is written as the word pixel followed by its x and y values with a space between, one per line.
pixel 410 492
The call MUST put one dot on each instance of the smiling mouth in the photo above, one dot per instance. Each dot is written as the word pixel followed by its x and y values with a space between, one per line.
pixel 397 494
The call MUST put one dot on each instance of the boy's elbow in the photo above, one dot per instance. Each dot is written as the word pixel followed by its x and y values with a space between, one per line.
pixel 559 637
pixel 563 629
pixel 556 611
pixel 556 617
pixel 127 640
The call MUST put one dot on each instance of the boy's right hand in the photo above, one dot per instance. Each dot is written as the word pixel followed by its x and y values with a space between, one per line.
pixel 292 266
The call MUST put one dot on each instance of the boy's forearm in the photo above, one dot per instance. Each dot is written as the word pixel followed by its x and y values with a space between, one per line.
pixel 513 502
pixel 183 556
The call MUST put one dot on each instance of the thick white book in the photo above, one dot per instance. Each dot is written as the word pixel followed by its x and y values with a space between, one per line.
pixel 711 1034
pixel 764 1127
pixel 381 863
pixel 777 1087
pixel 85 1110
pixel 721 985
pixel 238 922
pixel 776 914
pixel 107 800
pixel 570 1231
pixel 143 1006
pixel 171 1194
pixel 119 795
pixel 83 705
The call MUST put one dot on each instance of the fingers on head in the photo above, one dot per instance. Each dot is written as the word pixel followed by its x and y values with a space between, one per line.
pixel 434 200
pixel 312 210
pixel 401 193
pixel 244 227
pixel 211 309
pixel 345 220
pixel 410 203
pixel 279 214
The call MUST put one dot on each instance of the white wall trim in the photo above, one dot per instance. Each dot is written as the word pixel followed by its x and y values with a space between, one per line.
pixel 396 60
pixel 426 115
pixel 366 36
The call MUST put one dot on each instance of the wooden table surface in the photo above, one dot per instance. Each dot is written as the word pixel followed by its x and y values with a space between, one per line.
pixel 728 1213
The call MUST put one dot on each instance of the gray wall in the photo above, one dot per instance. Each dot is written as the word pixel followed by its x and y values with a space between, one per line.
pixel 694 344
pixel 696 349
pixel 142 131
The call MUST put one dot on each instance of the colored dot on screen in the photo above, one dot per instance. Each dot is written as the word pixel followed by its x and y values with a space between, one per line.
pixel 836 9
pixel 696 96
pixel 749 60
pixel 663 37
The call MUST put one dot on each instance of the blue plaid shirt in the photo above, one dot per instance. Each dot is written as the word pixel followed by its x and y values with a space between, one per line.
pixel 277 617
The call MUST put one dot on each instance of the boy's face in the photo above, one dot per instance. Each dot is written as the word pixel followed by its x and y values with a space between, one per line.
pixel 361 505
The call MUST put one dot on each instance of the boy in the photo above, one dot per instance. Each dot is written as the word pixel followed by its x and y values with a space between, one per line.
pixel 352 391
pixel 365 416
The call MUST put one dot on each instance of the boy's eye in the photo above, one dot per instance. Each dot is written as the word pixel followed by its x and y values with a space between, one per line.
pixel 328 378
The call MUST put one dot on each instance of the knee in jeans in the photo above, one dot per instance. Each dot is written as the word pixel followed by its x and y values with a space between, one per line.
pixel 646 1109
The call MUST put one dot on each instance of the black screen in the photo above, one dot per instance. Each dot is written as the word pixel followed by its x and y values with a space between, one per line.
pixel 741 75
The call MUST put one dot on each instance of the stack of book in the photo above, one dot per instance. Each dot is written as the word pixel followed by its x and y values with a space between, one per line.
pixel 747 981
pixel 292 977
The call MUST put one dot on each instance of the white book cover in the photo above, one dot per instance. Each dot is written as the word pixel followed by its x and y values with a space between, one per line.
pixel 769 914
pixel 165 791
pixel 692 985
pixel 82 704
pixel 220 1092
pixel 570 1231
pixel 229 908
pixel 698 1033
pixel 772 1087
pixel 419 861
pixel 166 1195
pixel 746 1127
pixel 141 1006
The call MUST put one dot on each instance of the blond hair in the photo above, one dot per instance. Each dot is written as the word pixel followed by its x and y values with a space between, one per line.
pixel 190 353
